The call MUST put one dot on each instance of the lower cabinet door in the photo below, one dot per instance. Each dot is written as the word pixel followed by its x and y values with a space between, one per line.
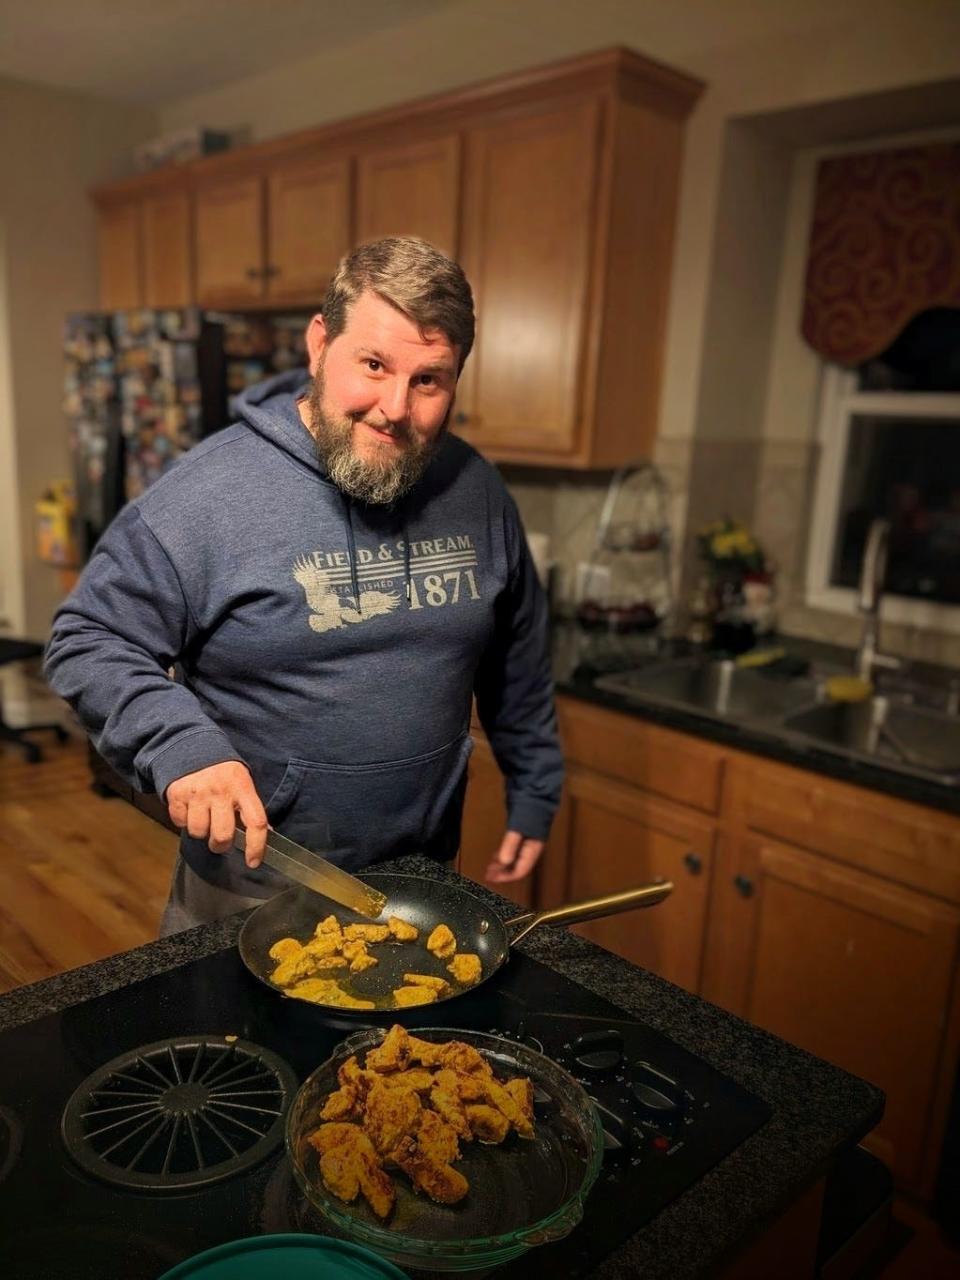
pixel 484 823
pixel 855 969
pixel 621 838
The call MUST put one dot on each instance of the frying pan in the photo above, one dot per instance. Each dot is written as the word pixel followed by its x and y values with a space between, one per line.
pixel 424 903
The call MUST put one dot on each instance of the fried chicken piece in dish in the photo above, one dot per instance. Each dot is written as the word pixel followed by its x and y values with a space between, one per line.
pixel 407 997
pixel 465 1058
pixel 504 1102
pixel 520 1090
pixel 348 1161
pixel 415 1078
pixel 442 942
pixel 425 1052
pixel 487 1123
pixel 449 1108
pixel 352 1073
pixel 285 949
pixel 343 1104
pixel 366 932
pixel 402 931
pixel 462 1085
pixel 466 968
pixel 436 1139
pixel 439 985
pixel 393 1053
pixel 389 1116
pixel 439 1181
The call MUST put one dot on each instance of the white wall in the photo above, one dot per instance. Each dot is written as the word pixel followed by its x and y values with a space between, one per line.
pixel 53 147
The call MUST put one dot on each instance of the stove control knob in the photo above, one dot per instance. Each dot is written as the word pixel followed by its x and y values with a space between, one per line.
pixel 598 1051
pixel 660 1097
pixel 616 1131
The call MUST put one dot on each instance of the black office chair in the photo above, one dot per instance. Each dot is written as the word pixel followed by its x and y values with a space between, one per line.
pixel 18 651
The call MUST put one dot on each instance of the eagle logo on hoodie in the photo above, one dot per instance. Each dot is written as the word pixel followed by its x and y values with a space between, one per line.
pixel 329 611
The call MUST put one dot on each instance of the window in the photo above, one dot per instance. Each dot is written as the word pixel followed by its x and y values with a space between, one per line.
pixel 890 446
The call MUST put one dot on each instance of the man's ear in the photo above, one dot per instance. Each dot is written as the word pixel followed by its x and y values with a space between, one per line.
pixel 316 342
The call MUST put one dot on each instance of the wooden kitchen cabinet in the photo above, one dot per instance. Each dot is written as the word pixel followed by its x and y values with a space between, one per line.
pixel 120 243
pixel 168 249
pixel 230 245
pixel 622 838
pixel 411 189
pixel 485 821
pixel 308 220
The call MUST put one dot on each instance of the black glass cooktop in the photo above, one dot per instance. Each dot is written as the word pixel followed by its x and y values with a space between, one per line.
pixel 668 1118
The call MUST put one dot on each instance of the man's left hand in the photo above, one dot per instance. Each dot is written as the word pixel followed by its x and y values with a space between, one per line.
pixel 516 858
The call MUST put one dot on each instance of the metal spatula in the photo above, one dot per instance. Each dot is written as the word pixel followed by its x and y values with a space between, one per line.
pixel 316 873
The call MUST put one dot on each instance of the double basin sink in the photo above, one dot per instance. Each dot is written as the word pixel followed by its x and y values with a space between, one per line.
pixel 884 729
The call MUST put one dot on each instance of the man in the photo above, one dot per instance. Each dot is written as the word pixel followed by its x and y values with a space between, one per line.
pixel 334 576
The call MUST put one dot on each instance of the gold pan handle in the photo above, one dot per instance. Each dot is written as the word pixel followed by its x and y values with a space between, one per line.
pixel 610 904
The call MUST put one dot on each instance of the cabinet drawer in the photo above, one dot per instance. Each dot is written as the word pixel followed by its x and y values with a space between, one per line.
pixel 905 842
pixel 658 760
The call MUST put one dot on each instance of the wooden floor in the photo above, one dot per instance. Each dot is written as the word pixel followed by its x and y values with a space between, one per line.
pixel 82 878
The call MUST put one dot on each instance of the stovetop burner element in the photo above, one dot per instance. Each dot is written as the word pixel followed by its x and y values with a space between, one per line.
pixel 180 1113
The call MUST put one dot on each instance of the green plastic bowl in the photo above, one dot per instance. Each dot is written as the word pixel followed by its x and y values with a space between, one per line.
pixel 285 1257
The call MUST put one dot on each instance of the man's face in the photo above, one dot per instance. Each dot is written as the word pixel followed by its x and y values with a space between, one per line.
pixel 381 399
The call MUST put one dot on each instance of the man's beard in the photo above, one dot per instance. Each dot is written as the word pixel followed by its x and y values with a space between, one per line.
pixel 381 479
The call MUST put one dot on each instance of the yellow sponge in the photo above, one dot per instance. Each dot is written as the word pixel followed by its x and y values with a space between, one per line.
pixel 760 657
pixel 848 689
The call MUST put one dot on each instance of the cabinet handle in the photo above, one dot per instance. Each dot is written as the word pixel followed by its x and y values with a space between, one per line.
pixel 273 271
pixel 461 419
pixel 693 862
pixel 744 886
pixel 254 273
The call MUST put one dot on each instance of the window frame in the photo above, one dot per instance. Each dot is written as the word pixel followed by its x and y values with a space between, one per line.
pixel 840 400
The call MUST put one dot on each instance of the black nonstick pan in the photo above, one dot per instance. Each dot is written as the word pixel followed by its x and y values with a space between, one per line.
pixel 425 904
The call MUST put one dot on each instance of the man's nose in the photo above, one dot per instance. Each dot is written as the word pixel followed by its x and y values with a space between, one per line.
pixel 395 400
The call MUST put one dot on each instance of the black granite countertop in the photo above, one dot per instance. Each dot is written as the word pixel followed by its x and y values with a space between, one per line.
pixel 581 657
pixel 817 1108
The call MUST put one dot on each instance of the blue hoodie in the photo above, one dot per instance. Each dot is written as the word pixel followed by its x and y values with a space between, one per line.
pixel 331 646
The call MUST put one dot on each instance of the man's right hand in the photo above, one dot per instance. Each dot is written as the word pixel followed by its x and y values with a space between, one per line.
pixel 207 803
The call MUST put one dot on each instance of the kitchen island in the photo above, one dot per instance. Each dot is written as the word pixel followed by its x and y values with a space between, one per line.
pixel 816 1110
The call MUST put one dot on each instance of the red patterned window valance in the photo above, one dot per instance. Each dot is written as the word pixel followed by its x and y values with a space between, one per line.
pixel 884 246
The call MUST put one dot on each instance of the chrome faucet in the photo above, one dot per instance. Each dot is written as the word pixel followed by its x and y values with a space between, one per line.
pixel 873 570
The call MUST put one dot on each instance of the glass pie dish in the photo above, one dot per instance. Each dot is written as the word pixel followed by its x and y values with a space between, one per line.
pixel 523 1193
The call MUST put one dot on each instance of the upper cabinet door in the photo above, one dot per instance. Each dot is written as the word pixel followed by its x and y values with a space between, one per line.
pixel 309 228
pixel 121 256
pixel 229 242
pixel 411 190
pixel 167 250
pixel 528 223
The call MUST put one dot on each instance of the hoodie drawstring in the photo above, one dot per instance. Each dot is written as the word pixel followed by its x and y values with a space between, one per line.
pixel 352 552
pixel 406 565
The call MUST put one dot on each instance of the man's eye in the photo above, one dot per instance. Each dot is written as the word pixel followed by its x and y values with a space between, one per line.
pixel 374 365
pixel 427 380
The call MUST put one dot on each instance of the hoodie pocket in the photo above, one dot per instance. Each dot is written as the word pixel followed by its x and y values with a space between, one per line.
pixel 365 813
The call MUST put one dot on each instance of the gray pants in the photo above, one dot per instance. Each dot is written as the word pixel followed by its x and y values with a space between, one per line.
pixel 192 901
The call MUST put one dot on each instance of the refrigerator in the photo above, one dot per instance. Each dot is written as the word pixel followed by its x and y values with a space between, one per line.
pixel 141 387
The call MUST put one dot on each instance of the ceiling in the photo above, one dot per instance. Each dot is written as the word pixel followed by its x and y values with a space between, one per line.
pixel 153 51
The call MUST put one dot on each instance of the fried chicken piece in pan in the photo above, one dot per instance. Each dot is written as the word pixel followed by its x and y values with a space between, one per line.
pixel 520 1090
pixel 406 997
pixel 330 925
pixel 295 967
pixel 436 1139
pixel 390 1115
pixel 402 931
pixel 393 1054
pixel 323 945
pixel 439 985
pixel 314 990
pixel 442 942
pixel 363 961
pixel 487 1123
pixel 350 950
pixel 439 1181
pixel 285 949
pixel 466 968
pixel 366 932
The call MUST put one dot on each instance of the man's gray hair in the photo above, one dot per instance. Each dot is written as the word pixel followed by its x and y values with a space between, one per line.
pixel 420 281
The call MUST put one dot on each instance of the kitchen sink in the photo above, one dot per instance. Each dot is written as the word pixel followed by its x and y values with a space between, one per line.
pixel 718 688
pixel 885 731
